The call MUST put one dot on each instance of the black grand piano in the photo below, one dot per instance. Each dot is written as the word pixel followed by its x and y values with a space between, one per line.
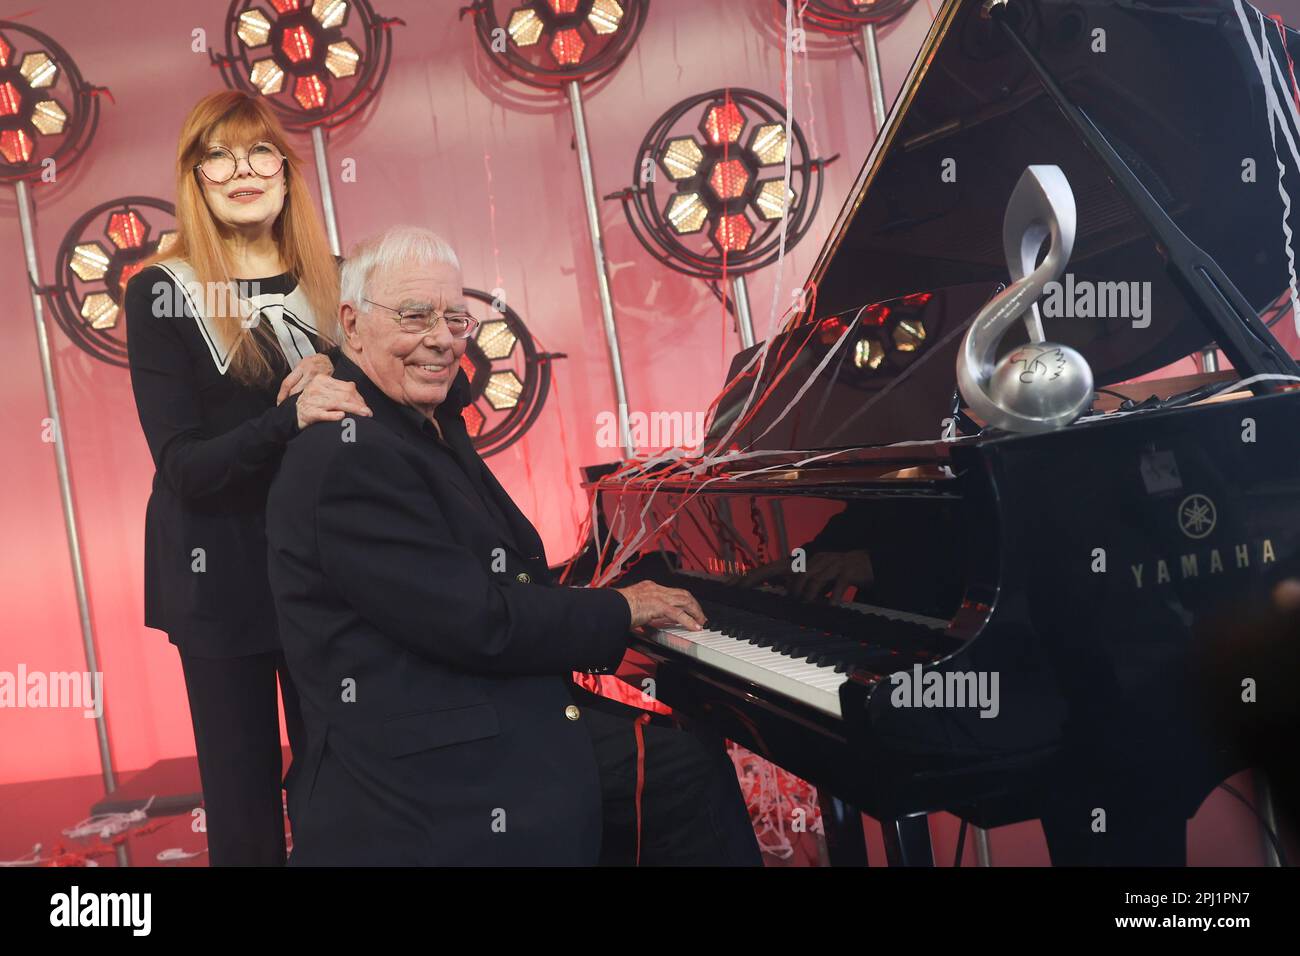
pixel 917 613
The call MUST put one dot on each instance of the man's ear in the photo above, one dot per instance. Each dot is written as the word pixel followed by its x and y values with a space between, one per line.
pixel 348 316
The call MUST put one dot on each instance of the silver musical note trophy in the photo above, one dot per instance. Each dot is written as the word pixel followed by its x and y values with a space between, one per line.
pixel 1041 385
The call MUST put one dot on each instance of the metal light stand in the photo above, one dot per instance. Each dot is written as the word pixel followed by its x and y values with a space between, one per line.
pixel 875 77
pixel 574 90
pixel 326 192
pixel 838 17
pixel 78 129
pixel 533 27
pixel 70 522
pixel 744 321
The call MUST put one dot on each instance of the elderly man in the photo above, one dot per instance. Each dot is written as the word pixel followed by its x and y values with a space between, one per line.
pixel 430 647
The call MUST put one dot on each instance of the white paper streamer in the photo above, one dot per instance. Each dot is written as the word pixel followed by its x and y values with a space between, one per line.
pixel 1262 56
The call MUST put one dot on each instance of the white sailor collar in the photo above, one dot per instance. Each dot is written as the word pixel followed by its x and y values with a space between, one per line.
pixel 290 315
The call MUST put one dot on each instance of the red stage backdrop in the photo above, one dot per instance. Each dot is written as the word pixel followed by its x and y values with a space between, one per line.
pixel 438 150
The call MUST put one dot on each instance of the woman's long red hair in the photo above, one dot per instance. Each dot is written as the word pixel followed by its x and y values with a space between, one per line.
pixel 235 117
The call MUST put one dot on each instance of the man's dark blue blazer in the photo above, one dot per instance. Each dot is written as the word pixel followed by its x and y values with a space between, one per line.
pixel 431 651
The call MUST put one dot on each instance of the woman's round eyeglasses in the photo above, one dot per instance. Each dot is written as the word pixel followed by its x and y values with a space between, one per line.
pixel 219 164
pixel 460 324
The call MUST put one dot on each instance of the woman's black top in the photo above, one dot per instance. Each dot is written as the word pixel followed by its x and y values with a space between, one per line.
pixel 216 444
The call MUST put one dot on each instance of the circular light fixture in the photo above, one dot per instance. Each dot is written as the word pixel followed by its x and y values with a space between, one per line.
pixel 850 16
pixel 548 43
pixel 100 253
pixel 48 113
pixel 509 378
pixel 712 191
pixel 318 62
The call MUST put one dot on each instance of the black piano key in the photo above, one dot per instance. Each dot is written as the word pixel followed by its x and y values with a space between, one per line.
pixel 827 651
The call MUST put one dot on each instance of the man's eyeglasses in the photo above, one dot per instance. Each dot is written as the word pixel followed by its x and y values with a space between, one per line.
pixel 219 164
pixel 460 324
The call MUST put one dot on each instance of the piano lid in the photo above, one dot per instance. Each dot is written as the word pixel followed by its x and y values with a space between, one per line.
pixel 1179 97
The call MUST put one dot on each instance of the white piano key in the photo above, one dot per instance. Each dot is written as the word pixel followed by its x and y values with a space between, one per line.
pixel 809 684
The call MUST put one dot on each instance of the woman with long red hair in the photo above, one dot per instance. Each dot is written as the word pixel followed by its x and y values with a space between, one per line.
pixel 226 327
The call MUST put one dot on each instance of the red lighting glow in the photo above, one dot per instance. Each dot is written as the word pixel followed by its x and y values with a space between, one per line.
pixel 311 92
pixel 10 99
pixel 875 314
pixel 473 420
pixel 126 229
pixel 16 146
pixel 567 47
pixel 723 124
pixel 733 233
pixel 729 179
pixel 128 272
pixel 297 44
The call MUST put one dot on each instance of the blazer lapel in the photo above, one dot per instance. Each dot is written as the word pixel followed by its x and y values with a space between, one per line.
pixel 518 534
pixel 525 534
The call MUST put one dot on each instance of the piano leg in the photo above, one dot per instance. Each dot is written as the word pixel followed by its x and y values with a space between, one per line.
pixel 907 841
pixel 846 844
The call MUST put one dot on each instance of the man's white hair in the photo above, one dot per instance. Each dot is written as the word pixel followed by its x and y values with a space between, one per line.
pixel 395 247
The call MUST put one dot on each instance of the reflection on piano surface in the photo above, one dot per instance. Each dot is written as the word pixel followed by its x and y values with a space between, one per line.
pixel 918 614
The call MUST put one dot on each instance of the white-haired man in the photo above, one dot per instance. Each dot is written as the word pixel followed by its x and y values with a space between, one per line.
pixel 432 650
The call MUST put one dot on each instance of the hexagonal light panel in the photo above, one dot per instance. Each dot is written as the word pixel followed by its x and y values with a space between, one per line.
pixel 39 70
pixel 605 16
pixel 771 199
pixel 729 179
pixel 99 311
pixel 254 28
pixel 768 143
pixel 495 339
pixel 297 44
pixel 687 213
pixel 127 272
pixel 341 58
pixel 525 27
pixel 567 47
pixel 127 230
pixel 681 158
pixel 909 335
pixel 868 353
pixel 267 76
pixel 89 261
pixel 6 51
pixel 330 13
pixel 10 99
pixel 723 123
pixel 49 117
pixel 310 92
pixel 473 420
pixel 732 233
pixel 503 390
pixel 562 7
pixel 16 146
pixel 166 240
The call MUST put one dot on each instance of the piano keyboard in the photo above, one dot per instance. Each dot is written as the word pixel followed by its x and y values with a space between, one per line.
pixel 801 662
pixel 815 685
